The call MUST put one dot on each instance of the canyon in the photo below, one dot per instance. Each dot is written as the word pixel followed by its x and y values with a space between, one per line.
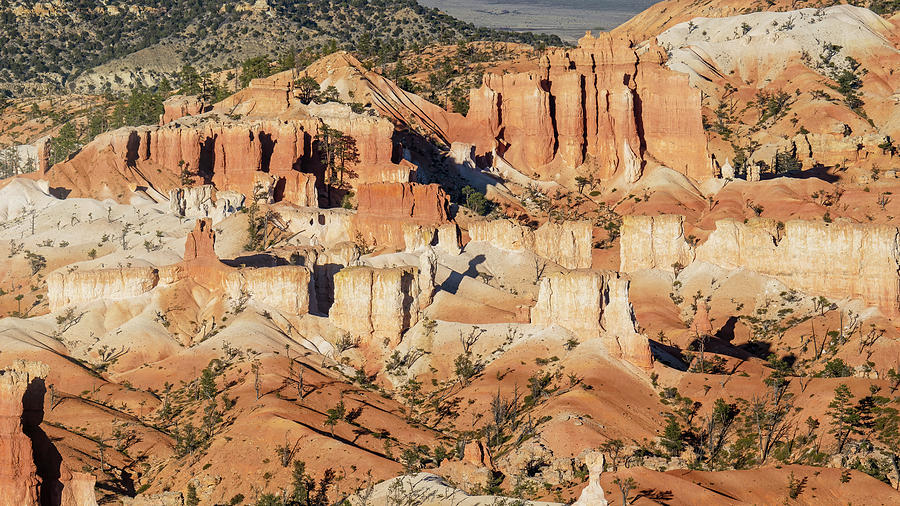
pixel 662 264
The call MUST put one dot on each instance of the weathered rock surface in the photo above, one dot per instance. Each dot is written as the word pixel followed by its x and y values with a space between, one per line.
pixel 568 244
pixel 580 105
pixel 593 494
pixel 830 259
pixel 86 286
pixel 593 304
pixel 376 304
pixel 653 242
pixel 19 481
pixel 178 106
pixel 286 288
pixel 400 215
pixel 227 153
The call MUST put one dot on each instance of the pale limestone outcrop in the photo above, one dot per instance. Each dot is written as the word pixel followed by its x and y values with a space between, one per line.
pixel 448 239
pixel 653 242
pixel 573 300
pixel 830 259
pixel 204 202
pixel 85 286
pixel 568 244
pixel 416 237
pixel 19 480
pixel 593 494
pixel 376 304
pixel 79 491
pixel 619 323
pixel 728 170
pixel 285 288
pixel 426 277
pixel 593 304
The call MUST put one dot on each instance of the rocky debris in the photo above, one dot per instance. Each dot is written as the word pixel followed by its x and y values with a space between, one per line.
pixel 85 286
pixel 593 89
pixel 653 242
pixel 568 244
pixel 179 106
pixel 162 499
pixel 376 304
pixel 430 489
pixel 831 259
pixel 593 304
pixel 593 494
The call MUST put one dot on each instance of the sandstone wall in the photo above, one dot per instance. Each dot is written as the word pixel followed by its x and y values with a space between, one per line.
pixel 376 304
pixel 226 153
pixel 19 481
pixel 599 102
pixel 390 214
pixel 653 242
pixel 285 288
pixel 86 286
pixel 593 304
pixel 835 260
pixel 568 244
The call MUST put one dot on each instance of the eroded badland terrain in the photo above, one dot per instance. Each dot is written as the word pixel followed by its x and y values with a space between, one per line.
pixel 658 267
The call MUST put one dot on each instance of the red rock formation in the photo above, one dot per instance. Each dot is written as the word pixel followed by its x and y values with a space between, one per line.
pixel 179 106
pixel 592 103
pixel 227 154
pixel 201 242
pixel 19 481
pixel 384 209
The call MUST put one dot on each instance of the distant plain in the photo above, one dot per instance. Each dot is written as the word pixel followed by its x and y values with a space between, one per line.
pixel 567 18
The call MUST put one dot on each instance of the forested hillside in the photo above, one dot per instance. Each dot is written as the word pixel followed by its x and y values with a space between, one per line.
pixel 90 45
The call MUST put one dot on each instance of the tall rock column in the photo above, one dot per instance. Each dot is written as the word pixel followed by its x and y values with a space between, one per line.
pixel 619 323
pixel 19 481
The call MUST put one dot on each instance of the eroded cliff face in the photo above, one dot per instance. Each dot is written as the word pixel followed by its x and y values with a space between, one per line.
pixel 593 305
pixel 376 305
pixel 600 103
pixel 830 259
pixel 19 481
pixel 400 215
pixel 86 286
pixel 567 244
pixel 653 242
pixel 285 288
pixel 228 153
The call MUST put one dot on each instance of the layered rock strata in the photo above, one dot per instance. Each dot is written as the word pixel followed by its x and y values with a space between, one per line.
pixel 376 304
pixel 286 288
pixel 400 215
